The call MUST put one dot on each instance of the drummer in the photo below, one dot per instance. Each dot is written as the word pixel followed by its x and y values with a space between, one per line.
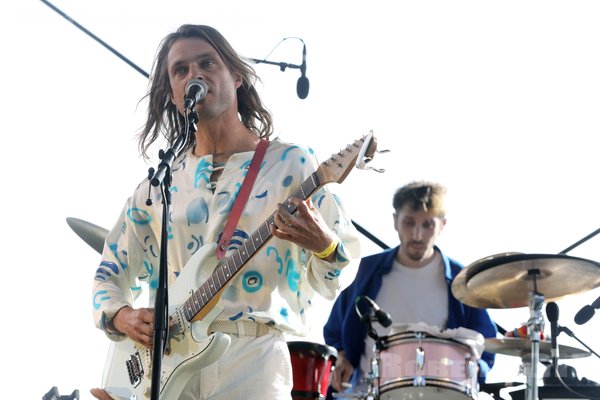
pixel 416 288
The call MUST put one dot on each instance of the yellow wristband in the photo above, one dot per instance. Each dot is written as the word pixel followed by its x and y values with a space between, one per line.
pixel 328 250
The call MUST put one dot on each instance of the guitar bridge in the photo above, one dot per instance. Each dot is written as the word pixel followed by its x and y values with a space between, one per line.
pixel 135 369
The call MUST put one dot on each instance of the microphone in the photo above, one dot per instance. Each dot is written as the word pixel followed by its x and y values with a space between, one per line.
pixel 195 91
pixel 552 314
pixel 303 85
pixel 587 312
pixel 382 317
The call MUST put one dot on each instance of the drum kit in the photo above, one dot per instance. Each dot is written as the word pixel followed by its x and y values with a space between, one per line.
pixel 420 365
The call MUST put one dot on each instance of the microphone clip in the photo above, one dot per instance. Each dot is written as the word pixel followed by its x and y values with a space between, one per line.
pixel 378 314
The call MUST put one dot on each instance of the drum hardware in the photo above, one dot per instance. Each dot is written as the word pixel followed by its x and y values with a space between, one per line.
pixel 536 326
pixel 374 314
pixel 370 380
pixel 419 380
pixel 471 373
pixel 516 280
pixel 383 319
pixel 373 375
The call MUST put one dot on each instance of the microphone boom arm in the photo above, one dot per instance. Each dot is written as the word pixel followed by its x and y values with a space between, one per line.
pixel 282 65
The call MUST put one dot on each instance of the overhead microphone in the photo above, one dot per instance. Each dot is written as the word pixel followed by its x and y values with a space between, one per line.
pixel 303 84
pixel 587 312
pixel 195 91
pixel 382 317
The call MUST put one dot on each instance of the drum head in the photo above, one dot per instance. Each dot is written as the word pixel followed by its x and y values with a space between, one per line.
pixel 315 349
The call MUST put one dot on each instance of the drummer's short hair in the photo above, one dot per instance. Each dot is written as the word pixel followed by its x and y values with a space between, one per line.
pixel 422 195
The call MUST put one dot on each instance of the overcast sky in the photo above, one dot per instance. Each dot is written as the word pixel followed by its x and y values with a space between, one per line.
pixel 497 100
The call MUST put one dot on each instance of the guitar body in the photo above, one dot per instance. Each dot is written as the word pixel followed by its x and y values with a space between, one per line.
pixel 128 370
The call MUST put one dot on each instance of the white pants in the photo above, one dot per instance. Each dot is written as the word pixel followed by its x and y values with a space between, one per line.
pixel 252 368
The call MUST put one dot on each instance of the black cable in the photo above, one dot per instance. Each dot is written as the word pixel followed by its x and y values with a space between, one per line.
pixel 96 38
pixel 571 247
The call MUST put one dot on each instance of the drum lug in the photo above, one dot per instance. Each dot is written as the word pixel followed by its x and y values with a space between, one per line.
pixel 471 369
pixel 420 358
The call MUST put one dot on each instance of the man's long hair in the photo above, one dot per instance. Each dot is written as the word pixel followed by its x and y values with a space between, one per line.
pixel 164 118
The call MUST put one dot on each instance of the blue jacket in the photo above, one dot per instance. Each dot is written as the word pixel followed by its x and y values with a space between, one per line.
pixel 345 331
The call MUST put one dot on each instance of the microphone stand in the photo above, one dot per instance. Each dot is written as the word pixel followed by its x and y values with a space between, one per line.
pixel 556 373
pixel 373 376
pixel 162 178
pixel 535 325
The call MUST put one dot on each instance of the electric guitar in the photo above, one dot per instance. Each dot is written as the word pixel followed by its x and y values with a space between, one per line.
pixel 128 370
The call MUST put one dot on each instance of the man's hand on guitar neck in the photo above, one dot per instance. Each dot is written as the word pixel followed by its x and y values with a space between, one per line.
pixel 137 324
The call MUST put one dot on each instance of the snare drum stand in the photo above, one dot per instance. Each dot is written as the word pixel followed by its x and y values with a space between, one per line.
pixel 373 376
pixel 535 326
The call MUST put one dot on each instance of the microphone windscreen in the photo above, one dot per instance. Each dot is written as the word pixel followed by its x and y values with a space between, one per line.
pixel 302 87
pixel 584 315
pixel 552 311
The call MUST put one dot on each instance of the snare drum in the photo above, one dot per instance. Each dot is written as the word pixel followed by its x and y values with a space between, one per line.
pixel 418 365
pixel 311 367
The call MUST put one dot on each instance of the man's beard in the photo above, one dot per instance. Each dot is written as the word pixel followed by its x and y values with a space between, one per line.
pixel 416 255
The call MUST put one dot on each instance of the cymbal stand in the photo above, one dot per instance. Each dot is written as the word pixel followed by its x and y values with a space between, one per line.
pixel 535 326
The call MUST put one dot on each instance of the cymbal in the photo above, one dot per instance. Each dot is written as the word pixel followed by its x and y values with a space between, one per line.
pixel 521 347
pixel 505 280
pixel 93 235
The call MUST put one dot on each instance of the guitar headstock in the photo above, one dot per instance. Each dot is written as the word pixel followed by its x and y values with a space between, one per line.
pixel 339 165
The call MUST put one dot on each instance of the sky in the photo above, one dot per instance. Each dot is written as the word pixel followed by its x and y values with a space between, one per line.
pixel 496 100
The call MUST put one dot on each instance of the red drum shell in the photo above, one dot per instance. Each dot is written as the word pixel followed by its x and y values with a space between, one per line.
pixel 311 367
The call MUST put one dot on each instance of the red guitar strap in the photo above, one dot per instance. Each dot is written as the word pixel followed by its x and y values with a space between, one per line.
pixel 242 197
